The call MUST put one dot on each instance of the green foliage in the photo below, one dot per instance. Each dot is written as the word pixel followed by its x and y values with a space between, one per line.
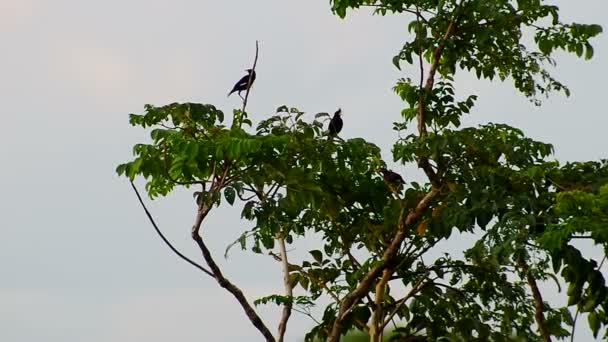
pixel 488 38
pixel 491 180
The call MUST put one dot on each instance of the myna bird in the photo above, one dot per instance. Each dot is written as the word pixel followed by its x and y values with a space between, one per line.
pixel 392 179
pixel 335 124
pixel 243 84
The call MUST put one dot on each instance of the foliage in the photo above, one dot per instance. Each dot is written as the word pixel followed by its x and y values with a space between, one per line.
pixel 493 181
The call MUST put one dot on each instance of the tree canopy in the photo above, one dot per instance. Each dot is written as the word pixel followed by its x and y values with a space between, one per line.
pixel 525 208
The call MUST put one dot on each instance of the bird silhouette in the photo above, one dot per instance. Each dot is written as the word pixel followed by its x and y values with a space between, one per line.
pixel 335 124
pixel 243 83
pixel 392 179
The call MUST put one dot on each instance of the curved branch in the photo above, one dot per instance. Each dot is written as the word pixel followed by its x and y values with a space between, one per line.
pixel 222 281
pixel 185 258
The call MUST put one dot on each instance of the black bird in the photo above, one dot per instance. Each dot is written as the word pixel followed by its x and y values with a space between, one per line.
pixel 393 179
pixel 243 84
pixel 335 124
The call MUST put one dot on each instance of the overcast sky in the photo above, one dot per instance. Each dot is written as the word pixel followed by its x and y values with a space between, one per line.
pixel 78 259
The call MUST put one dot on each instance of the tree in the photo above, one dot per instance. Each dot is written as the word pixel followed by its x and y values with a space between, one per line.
pixel 525 208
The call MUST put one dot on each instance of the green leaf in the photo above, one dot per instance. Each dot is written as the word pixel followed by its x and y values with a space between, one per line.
pixel 588 51
pixel 317 255
pixel 230 195
pixel 594 323
pixel 397 61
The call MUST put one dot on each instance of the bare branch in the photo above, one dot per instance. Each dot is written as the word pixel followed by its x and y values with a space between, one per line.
pixel 306 314
pixel 222 281
pixel 288 289
pixel 162 236
pixel 255 62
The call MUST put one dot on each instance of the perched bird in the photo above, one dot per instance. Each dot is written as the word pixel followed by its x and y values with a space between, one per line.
pixel 335 124
pixel 392 179
pixel 243 84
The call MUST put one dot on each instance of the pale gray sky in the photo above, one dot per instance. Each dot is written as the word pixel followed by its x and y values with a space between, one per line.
pixel 78 259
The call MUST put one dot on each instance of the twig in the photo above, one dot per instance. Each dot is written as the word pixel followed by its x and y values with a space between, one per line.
pixel 185 258
pixel 255 62
pixel 310 276
pixel 417 287
pixel 288 289
pixel 306 314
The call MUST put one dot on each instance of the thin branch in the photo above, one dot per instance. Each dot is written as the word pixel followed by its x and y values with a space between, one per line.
pixel 538 301
pixel 415 289
pixel 288 289
pixel 239 173
pixel 310 276
pixel 255 62
pixel 361 325
pixel 352 258
pixel 222 281
pixel 245 199
pixel 169 175
pixel 162 236
pixel 450 288
pixel 423 163
pixel 420 62
pixel 306 314
pixel 377 315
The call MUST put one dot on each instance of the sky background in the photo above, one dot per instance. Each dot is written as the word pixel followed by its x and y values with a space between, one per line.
pixel 78 258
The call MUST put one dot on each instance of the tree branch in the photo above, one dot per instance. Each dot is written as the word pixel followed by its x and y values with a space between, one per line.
pixel 222 281
pixel 423 163
pixel 377 325
pixel 203 211
pixel 390 253
pixel 255 62
pixel 538 300
pixel 388 258
pixel 162 236
pixel 288 289
pixel 361 325
pixel 415 289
